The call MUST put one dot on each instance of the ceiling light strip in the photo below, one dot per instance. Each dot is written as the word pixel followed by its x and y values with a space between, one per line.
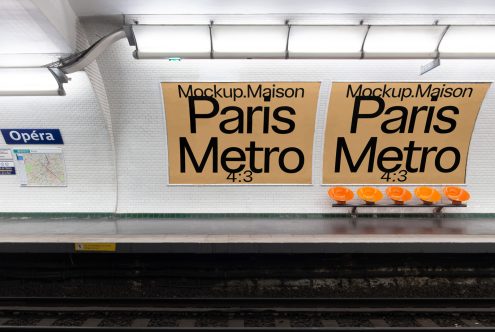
pixel 279 41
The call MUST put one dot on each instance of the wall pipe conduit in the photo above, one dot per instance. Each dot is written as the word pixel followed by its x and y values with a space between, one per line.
pixel 74 64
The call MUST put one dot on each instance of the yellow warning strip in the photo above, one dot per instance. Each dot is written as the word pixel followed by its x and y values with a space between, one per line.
pixel 93 246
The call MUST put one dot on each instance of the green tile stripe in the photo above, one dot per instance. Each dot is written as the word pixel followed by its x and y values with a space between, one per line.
pixel 233 215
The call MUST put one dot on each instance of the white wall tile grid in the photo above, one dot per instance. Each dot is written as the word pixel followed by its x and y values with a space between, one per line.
pixel 137 123
pixel 87 151
pixel 133 88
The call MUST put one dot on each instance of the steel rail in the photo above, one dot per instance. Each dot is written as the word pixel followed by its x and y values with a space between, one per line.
pixel 232 305
pixel 297 302
pixel 38 305
pixel 241 329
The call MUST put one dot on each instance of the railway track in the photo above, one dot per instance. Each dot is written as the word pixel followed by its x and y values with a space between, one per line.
pixel 246 314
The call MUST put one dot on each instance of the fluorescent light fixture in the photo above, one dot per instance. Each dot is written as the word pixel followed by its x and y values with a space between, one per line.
pixel 325 19
pixel 30 82
pixel 276 41
pixel 403 41
pixel 326 41
pixel 28 60
pixel 249 41
pixel 468 42
pixel 162 41
pixel 248 20
pixel 167 19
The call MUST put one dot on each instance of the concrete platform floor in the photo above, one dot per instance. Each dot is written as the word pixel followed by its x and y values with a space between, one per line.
pixel 244 235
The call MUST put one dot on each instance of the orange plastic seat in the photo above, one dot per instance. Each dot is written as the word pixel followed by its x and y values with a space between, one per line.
pixel 370 195
pixel 340 194
pixel 456 194
pixel 428 195
pixel 398 194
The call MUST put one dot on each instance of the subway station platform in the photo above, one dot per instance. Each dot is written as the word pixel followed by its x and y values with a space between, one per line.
pixel 249 235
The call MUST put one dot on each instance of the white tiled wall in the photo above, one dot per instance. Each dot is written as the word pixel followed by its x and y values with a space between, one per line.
pixel 87 151
pixel 136 120
pixel 133 88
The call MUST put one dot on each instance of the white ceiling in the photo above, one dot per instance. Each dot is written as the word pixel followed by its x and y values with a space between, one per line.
pixel 28 37
pixel 113 7
pixel 20 32
pixel 35 32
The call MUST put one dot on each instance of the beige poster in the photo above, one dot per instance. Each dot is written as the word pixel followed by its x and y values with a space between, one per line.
pixel 240 133
pixel 393 133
